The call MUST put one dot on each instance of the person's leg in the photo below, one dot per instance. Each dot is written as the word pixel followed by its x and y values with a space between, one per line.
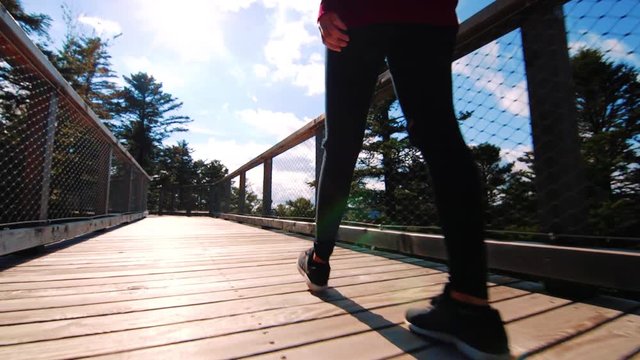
pixel 350 80
pixel 351 76
pixel 420 63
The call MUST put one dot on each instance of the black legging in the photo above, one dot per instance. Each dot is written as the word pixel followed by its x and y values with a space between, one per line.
pixel 419 58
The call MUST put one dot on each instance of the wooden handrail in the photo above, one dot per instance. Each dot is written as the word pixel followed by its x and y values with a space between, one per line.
pixel 303 134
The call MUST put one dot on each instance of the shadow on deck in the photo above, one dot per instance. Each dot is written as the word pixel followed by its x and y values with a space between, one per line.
pixel 176 287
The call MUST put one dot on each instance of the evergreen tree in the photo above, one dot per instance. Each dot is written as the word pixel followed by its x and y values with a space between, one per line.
pixel 493 172
pixel 145 116
pixel 209 172
pixel 381 160
pixel 608 99
pixel 34 24
pixel 84 61
pixel 517 210
pixel 252 204
pixel 298 208
pixel 175 174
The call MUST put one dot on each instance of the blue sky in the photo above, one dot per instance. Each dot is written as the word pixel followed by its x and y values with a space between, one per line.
pixel 250 72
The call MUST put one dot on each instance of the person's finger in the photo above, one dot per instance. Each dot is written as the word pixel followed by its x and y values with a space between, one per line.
pixel 333 43
pixel 334 46
pixel 338 23
pixel 332 31
pixel 334 35
pixel 338 34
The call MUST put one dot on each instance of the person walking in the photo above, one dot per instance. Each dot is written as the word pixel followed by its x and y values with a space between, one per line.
pixel 417 39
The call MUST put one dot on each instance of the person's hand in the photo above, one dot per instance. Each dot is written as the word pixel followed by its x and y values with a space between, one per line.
pixel 333 30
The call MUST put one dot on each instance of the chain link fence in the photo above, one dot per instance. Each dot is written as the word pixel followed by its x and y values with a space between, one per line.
pixel 57 161
pixel 547 95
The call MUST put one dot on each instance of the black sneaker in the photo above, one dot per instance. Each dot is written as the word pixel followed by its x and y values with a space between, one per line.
pixel 316 275
pixel 477 331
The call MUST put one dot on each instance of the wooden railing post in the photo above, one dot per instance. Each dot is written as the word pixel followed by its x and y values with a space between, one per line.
pixel 267 182
pixel 188 198
pixel 50 129
pixel 103 185
pixel 128 178
pixel 145 193
pixel 214 200
pixel 242 194
pixel 226 195
pixel 160 200
pixel 560 176
pixel 172 191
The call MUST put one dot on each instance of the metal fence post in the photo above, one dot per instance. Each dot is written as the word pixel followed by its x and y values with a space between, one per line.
pixel 267 182
pixel 560 176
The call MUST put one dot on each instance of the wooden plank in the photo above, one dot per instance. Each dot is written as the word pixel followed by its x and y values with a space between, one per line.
pixel 234 280
pixel 604 268
pixel 613 340
pixel 556 326
pixel 224 311
pixel 231 273
pixel 113 340
pixel 20 239
pixel 333 337
pixel 69 274
pixel 203 299
pixel 215 285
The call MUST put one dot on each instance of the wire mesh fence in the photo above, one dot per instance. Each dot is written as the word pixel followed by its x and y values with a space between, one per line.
pixel 294 177
pixel 550 109
pixel 56 160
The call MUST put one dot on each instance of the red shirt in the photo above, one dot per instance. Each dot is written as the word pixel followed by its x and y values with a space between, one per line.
pixel 356 13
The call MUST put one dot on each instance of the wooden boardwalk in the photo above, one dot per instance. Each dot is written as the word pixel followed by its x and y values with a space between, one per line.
pixel 188 288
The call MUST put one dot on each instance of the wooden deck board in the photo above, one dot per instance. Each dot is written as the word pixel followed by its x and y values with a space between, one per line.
pixel 175 287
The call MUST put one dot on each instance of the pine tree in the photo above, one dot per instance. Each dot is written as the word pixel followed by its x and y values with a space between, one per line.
pixel 145 116
pixel 608 98
pixel 84 61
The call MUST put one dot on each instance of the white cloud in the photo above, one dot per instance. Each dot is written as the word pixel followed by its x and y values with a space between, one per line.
pixel 230 152
pixel 194 31
pixel 237 73
pixel 201 130
pixel 287 52
pixel 271 123
pixel 102 27
pixel 165 73
pixel 260 70
pixel 512 98
pixel 290 185
pixel 615 49
pixel 512 155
